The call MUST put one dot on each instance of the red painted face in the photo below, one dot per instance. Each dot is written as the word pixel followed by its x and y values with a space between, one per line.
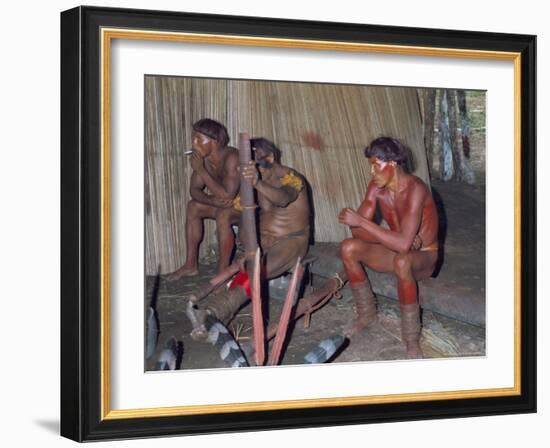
pixel 382 171
pixel 201 143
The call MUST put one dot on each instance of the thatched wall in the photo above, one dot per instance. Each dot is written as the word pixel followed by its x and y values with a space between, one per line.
pixel 320 129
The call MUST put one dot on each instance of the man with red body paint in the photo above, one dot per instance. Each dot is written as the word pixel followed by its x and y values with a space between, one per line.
pixel 215 168
pixel 409 248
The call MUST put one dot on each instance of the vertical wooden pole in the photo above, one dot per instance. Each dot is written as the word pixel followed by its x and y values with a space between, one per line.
pixel 445 153
pixel 453 127
pixel 247 229
pixel 249 237
pixel 429 117
pixel 467 171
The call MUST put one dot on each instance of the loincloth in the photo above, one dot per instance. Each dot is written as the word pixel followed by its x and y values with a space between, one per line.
pixel 434 247
pixel 418 245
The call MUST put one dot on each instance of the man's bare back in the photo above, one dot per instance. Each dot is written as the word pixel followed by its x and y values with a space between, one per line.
pixel 284 209
pixel 294 217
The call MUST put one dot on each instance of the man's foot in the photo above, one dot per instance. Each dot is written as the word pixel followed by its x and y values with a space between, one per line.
pixel 413 350
pixel 184 271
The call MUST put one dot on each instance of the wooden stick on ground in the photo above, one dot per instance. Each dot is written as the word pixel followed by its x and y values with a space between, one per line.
pixel 309 303
pixel 249 239
pixel 282 328
pixel 257 315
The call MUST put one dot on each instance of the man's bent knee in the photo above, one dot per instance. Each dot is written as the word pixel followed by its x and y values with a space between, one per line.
pixel 348 249
pixel 224 217
pixel 193 208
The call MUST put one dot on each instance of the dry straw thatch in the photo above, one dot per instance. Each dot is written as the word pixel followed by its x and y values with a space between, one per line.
pixel 321 130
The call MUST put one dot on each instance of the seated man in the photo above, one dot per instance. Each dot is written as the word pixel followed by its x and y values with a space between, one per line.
pixel 215 167
pixel 284 224
pixel 408 248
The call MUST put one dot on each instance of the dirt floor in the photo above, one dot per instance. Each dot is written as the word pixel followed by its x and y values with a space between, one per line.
pixel 462 212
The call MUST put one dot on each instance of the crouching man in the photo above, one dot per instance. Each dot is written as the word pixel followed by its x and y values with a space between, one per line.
pixel 213 187
pixel 284 225
pixel 409 248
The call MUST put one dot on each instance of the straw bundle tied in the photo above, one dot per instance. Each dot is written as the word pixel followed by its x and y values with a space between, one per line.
pixel 321 131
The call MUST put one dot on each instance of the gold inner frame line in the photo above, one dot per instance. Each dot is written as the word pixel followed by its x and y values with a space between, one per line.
pixel 107 35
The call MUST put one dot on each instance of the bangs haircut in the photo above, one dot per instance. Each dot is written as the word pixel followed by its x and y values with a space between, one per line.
pixel 213 129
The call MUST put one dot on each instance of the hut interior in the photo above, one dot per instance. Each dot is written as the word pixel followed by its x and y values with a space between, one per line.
pixel 321 130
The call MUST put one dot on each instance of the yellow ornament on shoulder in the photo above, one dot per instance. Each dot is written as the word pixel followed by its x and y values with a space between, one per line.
pixel 291 180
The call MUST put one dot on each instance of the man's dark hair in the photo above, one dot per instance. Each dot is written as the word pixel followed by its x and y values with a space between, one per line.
pixel 267 146
pixel 388 149
pixel 213 129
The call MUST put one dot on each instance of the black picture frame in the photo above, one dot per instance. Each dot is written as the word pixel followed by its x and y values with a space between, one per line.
pixel 82 407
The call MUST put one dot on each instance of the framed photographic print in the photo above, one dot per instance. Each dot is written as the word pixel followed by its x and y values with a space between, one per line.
pixel 275 224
